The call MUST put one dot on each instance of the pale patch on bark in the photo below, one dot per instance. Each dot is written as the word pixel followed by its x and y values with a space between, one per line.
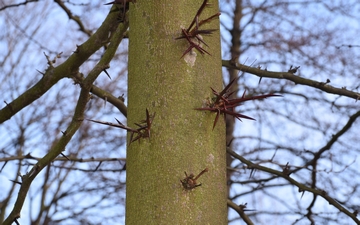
pixel 190 58
pixel 210 158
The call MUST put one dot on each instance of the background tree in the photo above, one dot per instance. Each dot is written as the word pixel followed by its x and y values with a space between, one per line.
pixel 312 127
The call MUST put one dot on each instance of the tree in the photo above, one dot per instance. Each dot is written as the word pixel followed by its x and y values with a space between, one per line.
pixel 181 137
pixel 293 155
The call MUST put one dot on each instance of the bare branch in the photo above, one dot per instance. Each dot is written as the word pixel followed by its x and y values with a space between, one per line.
pixel 240 211
pixel 72 17
pixel 18 4
pixel 301 186
pixel 296 79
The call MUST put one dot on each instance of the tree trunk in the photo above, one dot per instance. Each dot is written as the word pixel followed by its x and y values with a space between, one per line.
pixel 182 139
pixel 235 51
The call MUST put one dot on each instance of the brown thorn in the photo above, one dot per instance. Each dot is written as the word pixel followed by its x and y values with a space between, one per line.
pixel 209 19
pixel 197 14
pixel 201 173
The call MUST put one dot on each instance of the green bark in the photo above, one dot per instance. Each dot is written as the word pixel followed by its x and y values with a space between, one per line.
pixel 182 138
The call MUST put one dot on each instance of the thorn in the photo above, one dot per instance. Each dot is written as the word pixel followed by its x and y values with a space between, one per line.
pixel 16 182
pixel 303 192
pixel 286 169
pixel 293 69
pixel 77 49
pixel 356 213
pixel 228 145
pixel 9 105
pixel 120 2
pixel 40 72
pixel 64 156
pixel 121 98
pixel 15 220
pixel 107 74
pixel 252 172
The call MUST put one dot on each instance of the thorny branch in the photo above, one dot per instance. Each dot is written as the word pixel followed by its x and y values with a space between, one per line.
pixel 143 130
pixel 324 86
pixel 75 18
pixel 118 102
pixel 335 137
pixel 302 187
pixel 240 210
pixel 67 158
pixel 17 4
pixel 68 68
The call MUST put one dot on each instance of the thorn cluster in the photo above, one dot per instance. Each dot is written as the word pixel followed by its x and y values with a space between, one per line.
pixel 143 130
pixel 194 32
pixel 189 182
pixel 221 104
